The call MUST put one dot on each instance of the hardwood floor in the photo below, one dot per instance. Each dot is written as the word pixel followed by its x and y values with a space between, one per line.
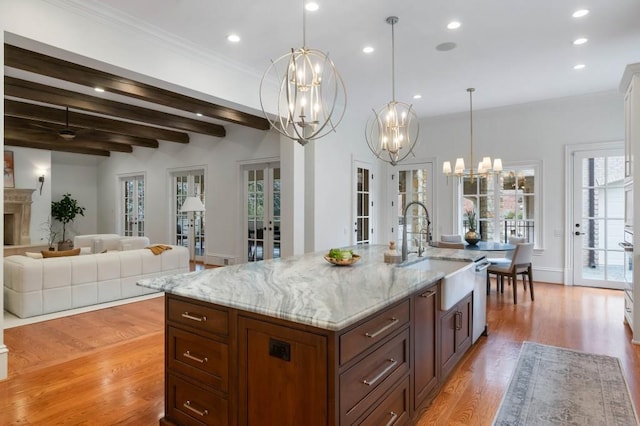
pixel 106 367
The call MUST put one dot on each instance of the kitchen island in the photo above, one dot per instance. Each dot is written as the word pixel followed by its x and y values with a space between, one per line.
pixel 301 341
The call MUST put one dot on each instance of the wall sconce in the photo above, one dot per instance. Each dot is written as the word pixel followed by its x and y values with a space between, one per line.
pixel 41 180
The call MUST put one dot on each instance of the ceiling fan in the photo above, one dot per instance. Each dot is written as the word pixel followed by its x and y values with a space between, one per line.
pixel 66 133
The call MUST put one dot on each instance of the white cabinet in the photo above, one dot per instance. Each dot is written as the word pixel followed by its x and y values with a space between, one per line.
pixel 630 86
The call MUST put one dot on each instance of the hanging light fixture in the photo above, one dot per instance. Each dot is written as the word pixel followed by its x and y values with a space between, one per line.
pixel 393 129
pixel 484 167
pixel 311 98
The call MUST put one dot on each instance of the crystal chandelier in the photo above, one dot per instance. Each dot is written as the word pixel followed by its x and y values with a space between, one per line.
pixel 392 129
pixel 484 167
pixel 311 98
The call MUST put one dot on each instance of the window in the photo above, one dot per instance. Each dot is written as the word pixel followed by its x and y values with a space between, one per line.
pixel 131 219
pixel 505 205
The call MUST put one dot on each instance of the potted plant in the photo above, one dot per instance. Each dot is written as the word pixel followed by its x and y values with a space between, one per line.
pixel 47 227
pixel 471 237
pixel 65 211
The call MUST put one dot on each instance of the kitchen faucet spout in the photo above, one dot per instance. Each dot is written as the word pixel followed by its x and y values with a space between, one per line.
pixel 405 250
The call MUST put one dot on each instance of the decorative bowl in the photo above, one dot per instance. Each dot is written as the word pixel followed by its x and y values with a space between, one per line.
pixel 343 262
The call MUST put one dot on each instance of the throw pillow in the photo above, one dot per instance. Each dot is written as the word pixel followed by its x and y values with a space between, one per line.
pixel 33 255
pixel 63 253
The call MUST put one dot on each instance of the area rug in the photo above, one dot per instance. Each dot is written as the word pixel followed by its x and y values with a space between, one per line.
pixel 556 386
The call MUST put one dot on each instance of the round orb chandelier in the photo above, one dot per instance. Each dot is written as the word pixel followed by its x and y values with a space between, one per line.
pixel 392 130
pixel 311 99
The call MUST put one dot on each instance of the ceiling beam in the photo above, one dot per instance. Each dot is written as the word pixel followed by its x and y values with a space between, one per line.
pixel 14 108
pixel 57 68
pixel 53 140
pixel 42 127
pixel 55 147
pixel 41 93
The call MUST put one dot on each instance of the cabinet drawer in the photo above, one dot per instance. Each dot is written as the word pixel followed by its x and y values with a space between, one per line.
pixel 371 378
pixel 198 316
pixel 205 360
pixel 358 340
pixel 188 404
pixel 392 410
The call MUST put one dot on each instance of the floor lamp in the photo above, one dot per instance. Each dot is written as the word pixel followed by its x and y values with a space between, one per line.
pixel 190 206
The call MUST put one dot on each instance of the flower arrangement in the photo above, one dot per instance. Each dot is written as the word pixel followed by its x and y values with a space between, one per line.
pixel 471 218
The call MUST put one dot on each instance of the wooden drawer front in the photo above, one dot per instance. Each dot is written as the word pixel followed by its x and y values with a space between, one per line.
pixel 369 379
pixel 188 404
pixel 204 359
pixel 376 329
pixel 392 410
pixel 198 316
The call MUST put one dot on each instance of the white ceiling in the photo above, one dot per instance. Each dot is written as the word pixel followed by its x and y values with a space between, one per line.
pixel 511 51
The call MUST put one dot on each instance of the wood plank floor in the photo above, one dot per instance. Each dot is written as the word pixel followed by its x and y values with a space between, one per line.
pixel 106 367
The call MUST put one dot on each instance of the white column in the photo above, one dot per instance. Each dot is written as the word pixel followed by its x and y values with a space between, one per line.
pixel 292 171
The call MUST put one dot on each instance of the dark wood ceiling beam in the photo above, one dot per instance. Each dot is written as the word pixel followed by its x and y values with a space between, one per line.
pixel 39 92
pixel 54 115
pixel 57 68
pixel 80 141
pixel 42 127
pixel 55 147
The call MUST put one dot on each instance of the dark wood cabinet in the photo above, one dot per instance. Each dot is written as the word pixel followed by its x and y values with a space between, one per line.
pixel 425 341
pixel 455 334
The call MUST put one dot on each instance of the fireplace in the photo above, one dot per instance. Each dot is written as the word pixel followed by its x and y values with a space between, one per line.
pixel 17 216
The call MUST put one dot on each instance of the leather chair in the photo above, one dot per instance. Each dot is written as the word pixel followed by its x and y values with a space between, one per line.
pixel 520 265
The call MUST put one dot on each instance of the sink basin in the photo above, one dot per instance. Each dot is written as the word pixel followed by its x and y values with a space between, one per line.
pixel 458 279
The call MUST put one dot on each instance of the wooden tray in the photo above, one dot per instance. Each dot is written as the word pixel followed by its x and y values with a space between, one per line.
pixel 346 262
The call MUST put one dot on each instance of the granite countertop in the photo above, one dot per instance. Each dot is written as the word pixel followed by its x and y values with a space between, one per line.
pixel 307 289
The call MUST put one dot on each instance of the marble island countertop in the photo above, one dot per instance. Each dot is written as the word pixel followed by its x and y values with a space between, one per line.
pixel 307 289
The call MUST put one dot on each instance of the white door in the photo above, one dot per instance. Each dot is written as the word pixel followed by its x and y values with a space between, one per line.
pixel 189 226
pixel 363 202
pixel 262 211
pixel 132 206
pixel 598 218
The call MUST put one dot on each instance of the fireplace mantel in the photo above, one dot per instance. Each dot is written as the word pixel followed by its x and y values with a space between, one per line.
pixel 17 216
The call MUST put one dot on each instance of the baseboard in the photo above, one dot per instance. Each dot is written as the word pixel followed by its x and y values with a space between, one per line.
pixel 4 362
pixel 548 275
pixel 220 259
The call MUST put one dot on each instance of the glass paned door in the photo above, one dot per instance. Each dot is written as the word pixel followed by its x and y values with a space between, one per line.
pixel 415 183
pixel 363 205
pixel 189 226
pixel 132 206
pixel 598 226
pixel 262 211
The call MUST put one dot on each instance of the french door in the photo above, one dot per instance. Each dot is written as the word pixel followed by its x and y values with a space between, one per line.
pixel 363 202
pixel 189 226
pixel 262 211
pixel 132 206
pixel 598 218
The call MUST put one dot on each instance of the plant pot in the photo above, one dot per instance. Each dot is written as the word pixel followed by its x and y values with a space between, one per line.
pixel 65 245
pixel 472 237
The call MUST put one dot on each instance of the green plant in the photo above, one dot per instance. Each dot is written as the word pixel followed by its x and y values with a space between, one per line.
pixel 65 211
pixel 471 219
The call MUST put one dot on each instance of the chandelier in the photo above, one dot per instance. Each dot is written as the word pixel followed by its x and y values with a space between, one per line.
pixel 392 130
pixel 484 167
pixel 311 98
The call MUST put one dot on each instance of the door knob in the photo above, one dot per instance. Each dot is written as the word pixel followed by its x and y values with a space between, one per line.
pixel 578 233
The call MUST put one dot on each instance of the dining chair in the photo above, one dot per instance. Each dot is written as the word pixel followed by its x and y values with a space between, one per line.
pixel 520 265
pixel 451 241
pixel 506 259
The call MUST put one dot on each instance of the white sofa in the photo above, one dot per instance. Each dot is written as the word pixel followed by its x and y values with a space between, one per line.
pixel 98 243
pixel 41 286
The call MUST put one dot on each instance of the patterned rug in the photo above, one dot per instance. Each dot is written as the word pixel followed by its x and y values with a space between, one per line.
pixel 556 386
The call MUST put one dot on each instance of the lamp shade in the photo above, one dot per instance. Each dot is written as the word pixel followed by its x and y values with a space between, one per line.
pixel 192 204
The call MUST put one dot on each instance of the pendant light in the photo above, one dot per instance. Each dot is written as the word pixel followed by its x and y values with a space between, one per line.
pixel 484 167
pixel 392 130
pixel 310 100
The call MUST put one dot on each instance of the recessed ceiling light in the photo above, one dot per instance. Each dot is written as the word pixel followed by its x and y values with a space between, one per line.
pixel 368 49
pixel 579 66
pixel 199 114
pixel 98 89
pixel 453 25
pixel 446 46
pixel 579 41
pixel 311 6
pixel 417 96
pixel 233 38
pixel 580 13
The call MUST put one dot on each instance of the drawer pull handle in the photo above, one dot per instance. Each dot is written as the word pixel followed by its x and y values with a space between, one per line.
pixel 193 317
pixel 187 354
pixel 428 293
pixel 382 373
pixel 393 322
pixel 188 406
pixel 458 320
pixel 394 416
